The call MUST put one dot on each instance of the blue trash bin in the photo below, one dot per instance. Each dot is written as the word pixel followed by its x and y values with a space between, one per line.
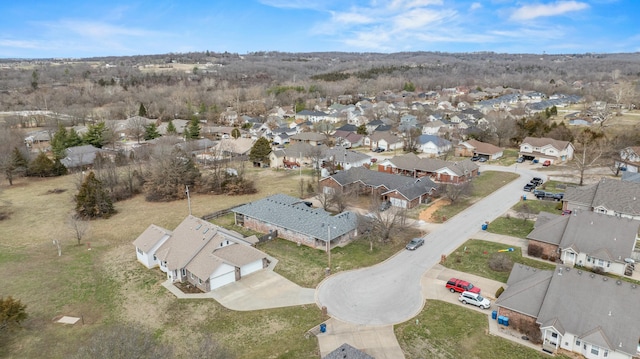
pixel 323 328
pixel 500 319
pixel 505 321
pixel 494 314
pixel 484 226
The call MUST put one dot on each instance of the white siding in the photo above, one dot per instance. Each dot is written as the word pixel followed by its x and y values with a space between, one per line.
pixel 225 274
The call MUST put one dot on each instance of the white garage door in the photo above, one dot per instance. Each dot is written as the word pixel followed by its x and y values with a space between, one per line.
pixel 223 279
pixel 251 267
pixel 397 202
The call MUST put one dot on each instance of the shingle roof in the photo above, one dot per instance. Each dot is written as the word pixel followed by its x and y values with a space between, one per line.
pixel 411 162
pixel 546 141
pixel 346 351
pixel 150 237
pixel 526 290
pixel 289 212
pixel 484 148
pixel 614 195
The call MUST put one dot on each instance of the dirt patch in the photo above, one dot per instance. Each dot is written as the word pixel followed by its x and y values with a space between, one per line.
pixel 427 214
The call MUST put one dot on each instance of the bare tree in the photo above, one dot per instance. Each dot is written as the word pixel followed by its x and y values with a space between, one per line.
pixel 78 227
pixel 10 140
pixel 455 191
pixel 589 149
pixel 124 341
pixel 385 222
pixel 136 127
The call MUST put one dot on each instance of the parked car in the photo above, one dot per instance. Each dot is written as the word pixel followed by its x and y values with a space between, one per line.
pixel 415 243
pixel 545 195
pixel 546 163
pixel 537 192
pixel 475 158
pixel 475 299
pixel 520 160
pixel 384 206
pixel 482 159
pixel 558 196
pixel 528 187
pixel 537 181
pixel 459 285
pixel 378 150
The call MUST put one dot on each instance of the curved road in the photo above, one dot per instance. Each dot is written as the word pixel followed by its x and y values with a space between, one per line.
pixel 390 292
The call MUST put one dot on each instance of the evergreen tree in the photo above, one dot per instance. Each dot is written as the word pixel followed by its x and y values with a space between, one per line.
pixel 93 201
pixel 142 111
pixel 260 151
pixel 41 166
pixel 192 132
pixel 235 133
pixel 95 135
pixel 151 132
pixel 59 142
pixel 409 87
pixel 171 128
pixel 73 139
pixel 58 168
pixel 17 165
pixel 362 130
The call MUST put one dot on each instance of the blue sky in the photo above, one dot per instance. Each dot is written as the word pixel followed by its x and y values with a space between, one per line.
pixel 74 28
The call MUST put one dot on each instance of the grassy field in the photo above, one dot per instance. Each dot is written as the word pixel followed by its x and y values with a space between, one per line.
pixel 446 331
pixel 509 226
pixel 107 285
pixel 473 257
pixel 485 184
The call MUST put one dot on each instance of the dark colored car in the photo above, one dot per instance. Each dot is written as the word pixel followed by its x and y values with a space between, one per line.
pixel 544 195
pixel 558 196
pixel 482 159
pixel 459 285
pixel 529 187
pixel 475 158
pixel 415 243
pixel 520 159
pixel 378 150
pixel 537 181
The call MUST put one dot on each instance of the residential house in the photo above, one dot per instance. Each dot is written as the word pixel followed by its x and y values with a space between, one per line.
pixel 348 139
pixel 574 310
pixel 312 138
pixel 295 221
pixel 313 116
pixel 81 156
pixel 545 148
pixel 432 145
pixel 199 252
pixel 436 169
pixel 344 159
pixel 401 191
pixel 476 148
pixel 346 351
pixel 38 141
pixel 233 147
pixel 629 159
pixel 432 127
pixel 608 196
pixel 589 240
pixel 300 153
pixel 384 140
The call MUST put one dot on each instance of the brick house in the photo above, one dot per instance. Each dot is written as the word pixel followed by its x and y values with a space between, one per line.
pixel 435 169
pixel 574 310
pixel 401 191
pixel 297 222
pixel 587 239
pixel 609 196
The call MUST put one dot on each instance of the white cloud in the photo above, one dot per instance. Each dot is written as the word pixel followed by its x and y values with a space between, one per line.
pixel 475 6
pixel 351 18
pixel 418 18
pixel 20 44
pixel 529 12
pixel 411 4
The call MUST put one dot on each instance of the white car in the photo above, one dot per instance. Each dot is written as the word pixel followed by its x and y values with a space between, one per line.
pixel 475 299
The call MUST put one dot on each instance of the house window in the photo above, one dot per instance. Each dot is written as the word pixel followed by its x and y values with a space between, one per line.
pixel 139 250
pixel 600 263
pixel 192 276
pixel 595 350
pixel 199 281
pixel 155 258
pixel 554 335
pixel 606 353
pixel 608 264
pixel 184 272
pixel 578 342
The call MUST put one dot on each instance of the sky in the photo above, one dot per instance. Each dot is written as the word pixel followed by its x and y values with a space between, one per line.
pixel 80 28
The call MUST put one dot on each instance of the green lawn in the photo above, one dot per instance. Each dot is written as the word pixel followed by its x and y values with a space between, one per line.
pixel 509 226
pixel 444 330
pixel 483 185
pixel 537 206
pixel 473 257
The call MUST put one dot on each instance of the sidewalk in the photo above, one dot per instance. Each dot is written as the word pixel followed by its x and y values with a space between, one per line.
pixel 379 342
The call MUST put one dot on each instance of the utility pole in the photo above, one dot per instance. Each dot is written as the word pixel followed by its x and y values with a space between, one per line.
pixel 188 199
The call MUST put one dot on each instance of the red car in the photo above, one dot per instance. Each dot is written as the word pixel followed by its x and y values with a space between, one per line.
pixel 546 163
pixel 458 285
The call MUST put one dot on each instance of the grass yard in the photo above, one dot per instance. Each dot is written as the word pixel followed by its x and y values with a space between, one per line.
pixel 483 185
pixel 446 331
pixel 473 257
pixel 509 226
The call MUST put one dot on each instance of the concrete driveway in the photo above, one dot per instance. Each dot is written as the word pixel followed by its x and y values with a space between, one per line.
pixel 391 292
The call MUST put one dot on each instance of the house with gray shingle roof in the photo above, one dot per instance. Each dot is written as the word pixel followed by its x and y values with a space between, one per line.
pixel 574 310
pixel 297 222
pixel 474 147
pixel 545 148
pixel 345 159
pixel 80 156
pixel 401 191
pixel 589 240
pixel 346 351
pixel 436 169
pixel 609 196
pixel 432 145
pixel 199 252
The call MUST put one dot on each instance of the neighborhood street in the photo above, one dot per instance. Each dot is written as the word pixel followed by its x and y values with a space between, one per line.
pixel 390 292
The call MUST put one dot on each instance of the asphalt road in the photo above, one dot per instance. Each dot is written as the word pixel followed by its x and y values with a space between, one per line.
pixel 390 292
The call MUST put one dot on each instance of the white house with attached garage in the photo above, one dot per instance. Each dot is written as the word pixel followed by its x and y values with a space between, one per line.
pixel 199 252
